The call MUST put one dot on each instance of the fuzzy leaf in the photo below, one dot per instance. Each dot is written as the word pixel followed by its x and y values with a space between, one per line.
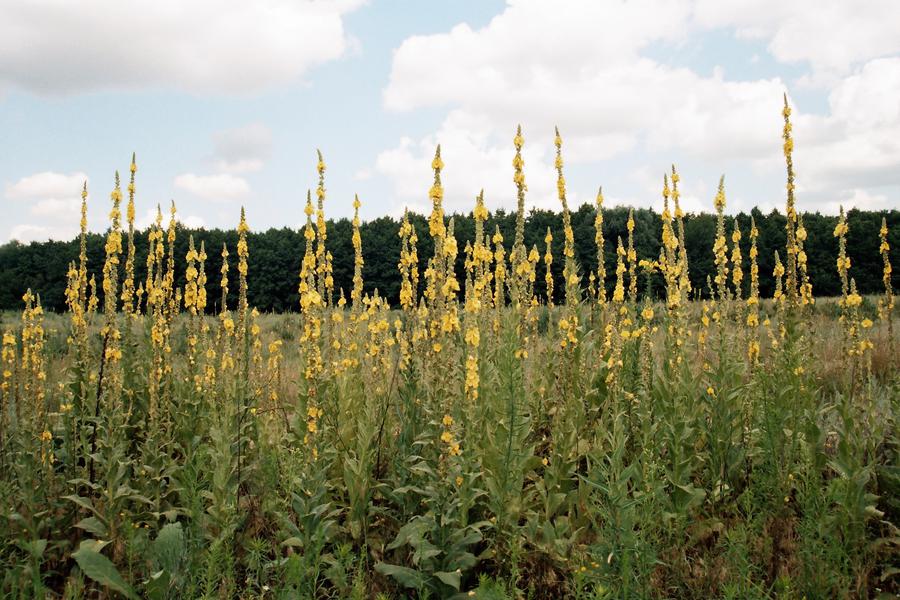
pixel 404 575
pixel 101 569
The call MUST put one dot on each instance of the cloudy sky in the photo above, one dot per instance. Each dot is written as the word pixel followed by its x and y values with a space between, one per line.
pixel 226 101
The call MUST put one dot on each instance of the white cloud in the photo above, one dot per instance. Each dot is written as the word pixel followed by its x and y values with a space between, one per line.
pixel 46 184
pixel 242 150
pixel 831 35
pixel 221 187
pixel 200 46
pixel 40 233
pixel 858 143
pixel 192 221
pixel 584 68
pixel 54 197
pixel 471 162
pixel 58 208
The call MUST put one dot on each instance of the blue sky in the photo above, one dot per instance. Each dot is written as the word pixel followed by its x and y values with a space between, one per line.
pixel 225 104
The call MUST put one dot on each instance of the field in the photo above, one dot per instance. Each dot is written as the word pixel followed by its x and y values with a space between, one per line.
pixel 474 441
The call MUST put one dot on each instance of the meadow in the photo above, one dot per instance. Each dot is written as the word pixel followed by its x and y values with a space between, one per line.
pixel 474 440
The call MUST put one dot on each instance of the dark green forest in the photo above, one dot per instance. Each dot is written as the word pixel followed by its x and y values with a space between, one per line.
pixel 275 254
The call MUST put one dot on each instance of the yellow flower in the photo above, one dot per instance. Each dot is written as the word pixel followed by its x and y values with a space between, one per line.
pixel 866 323
pixel 710 391
pixel 447 421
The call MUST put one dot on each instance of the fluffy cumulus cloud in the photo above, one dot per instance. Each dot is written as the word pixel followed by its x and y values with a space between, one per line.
pixel 26 233
pixel 46 184
pixel 832 36
pixel 200 46
pixel 594 69
pixel 242 150
pixel 52 197
pixel 220 187
pixel 858 143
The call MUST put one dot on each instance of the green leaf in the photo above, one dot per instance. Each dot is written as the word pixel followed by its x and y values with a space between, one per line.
pixel 293 541
pixel 405 576
pixel 35 548
pixel 93 525
pixel 80 501
pixel 450 578
pixel 100 569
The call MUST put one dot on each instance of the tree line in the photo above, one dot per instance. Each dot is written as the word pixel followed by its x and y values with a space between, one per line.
pixel 275 254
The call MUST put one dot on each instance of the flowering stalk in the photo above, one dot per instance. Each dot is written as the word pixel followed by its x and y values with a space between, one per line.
pixel 243 253
pixel 110 332
pixel 548 262
pixel 128 291
pixel 886 304
pixel 753 298
pixel 631 257
pixel 518 255
pixel 806 294
pixel 408 264
pixel 684 282
pixel 598 240
pixel 9 405
pixel 791 283
pixel 33 362
pixel 668 258
pixel 778 275
pixel 570 268
pixel 619 291
pixel 356 293
pixel 321 233
pixel 737 272
pixel 499 268
pixel 720 247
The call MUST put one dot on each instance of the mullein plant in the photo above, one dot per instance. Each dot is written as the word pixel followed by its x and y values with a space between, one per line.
pixel 720 246
pixel 110 333
pixel 631 257
pixel 191 302
pixel 243 308
pixel 684 282
pixel 518 254
pixel 548 264
pixel 321 232
pixel 805 289
pixel 33 371
pixel 618 296
pixel 599 242
pixel 791 283
pixel 358 262
pixel 128 289
pixel 668 254
pixel 568 324
pixel 408 265
pixel 311 308
pixel 9 401
pixel 753 298
pixel 886 303
pixel 499 281
pixel 843 269
pixel 856 340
